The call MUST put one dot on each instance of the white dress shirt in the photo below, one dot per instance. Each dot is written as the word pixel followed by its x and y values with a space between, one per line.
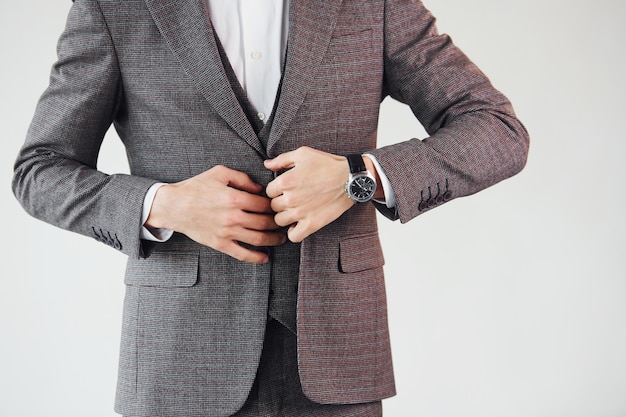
pixel 253 34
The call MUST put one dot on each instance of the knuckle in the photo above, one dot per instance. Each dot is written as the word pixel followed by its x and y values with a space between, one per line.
pixel 263 223
pixel 230 220
pixel 232 199
pixel 223 234
pixel 285 200
pixel 298 212
pixel 287 182
pixel 290 201
pixel 220 245
pixel 277 184
pixel 218 169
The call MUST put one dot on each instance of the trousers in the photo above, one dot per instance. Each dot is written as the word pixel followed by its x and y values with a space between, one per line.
pixel 277 391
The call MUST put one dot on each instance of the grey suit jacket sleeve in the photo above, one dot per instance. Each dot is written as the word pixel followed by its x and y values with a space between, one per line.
pixel 56 178
pixel 475 139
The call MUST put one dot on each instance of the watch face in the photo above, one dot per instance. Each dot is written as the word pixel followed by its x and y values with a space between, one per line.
pixel 362 188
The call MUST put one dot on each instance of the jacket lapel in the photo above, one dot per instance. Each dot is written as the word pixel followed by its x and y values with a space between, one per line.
pixel 186 27
pixel 311 24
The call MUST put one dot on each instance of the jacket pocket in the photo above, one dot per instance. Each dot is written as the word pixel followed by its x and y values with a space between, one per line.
pixel 163 269
pixel 360 253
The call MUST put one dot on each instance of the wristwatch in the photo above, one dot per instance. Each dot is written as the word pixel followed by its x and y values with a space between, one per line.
pixel 361 185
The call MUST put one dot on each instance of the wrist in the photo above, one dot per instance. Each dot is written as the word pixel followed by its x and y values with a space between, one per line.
pixel 159 217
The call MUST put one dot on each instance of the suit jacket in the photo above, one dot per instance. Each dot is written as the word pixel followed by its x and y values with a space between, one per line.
pixel 194 318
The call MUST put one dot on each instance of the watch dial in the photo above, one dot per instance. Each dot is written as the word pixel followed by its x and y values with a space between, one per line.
pixel 362 188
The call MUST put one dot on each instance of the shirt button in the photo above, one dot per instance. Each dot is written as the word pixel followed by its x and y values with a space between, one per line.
pixel 256 55
pixel 261 116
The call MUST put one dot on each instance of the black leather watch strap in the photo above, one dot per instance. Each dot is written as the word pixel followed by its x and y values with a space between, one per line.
pixel 356 163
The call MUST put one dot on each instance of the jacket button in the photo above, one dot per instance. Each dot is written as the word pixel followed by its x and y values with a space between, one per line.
pixel 97 235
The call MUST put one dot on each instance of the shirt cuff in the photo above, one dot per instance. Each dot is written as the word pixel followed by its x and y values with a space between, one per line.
pixel 390 196
pixel 150 233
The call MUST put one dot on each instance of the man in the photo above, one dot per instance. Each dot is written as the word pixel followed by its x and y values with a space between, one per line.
pixel 254 280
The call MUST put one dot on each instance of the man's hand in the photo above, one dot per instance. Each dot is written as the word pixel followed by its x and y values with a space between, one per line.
pixel 311 194
pixel 219 208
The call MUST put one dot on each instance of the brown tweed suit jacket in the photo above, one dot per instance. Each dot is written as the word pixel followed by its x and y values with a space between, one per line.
pixel 194 318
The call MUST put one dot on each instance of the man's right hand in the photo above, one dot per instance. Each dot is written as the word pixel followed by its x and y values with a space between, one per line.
pixel 219 208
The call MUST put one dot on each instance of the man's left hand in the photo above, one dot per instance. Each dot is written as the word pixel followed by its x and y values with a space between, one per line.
pixel 311 193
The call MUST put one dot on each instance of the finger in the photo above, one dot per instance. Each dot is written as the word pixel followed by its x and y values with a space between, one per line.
pixel 297 232
pixel 260 238
pixel 286 218
pixel 279 204
pixel 250 202
pixel 258 222
pixel 244 254
pixel 280 184
pixel 237 179
pixel 282 161
pixel 273 189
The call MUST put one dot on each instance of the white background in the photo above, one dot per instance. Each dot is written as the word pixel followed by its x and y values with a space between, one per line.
pixel 508 303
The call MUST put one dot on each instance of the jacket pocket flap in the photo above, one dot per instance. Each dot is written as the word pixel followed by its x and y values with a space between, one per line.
pixel 360 253
pixel 163 269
